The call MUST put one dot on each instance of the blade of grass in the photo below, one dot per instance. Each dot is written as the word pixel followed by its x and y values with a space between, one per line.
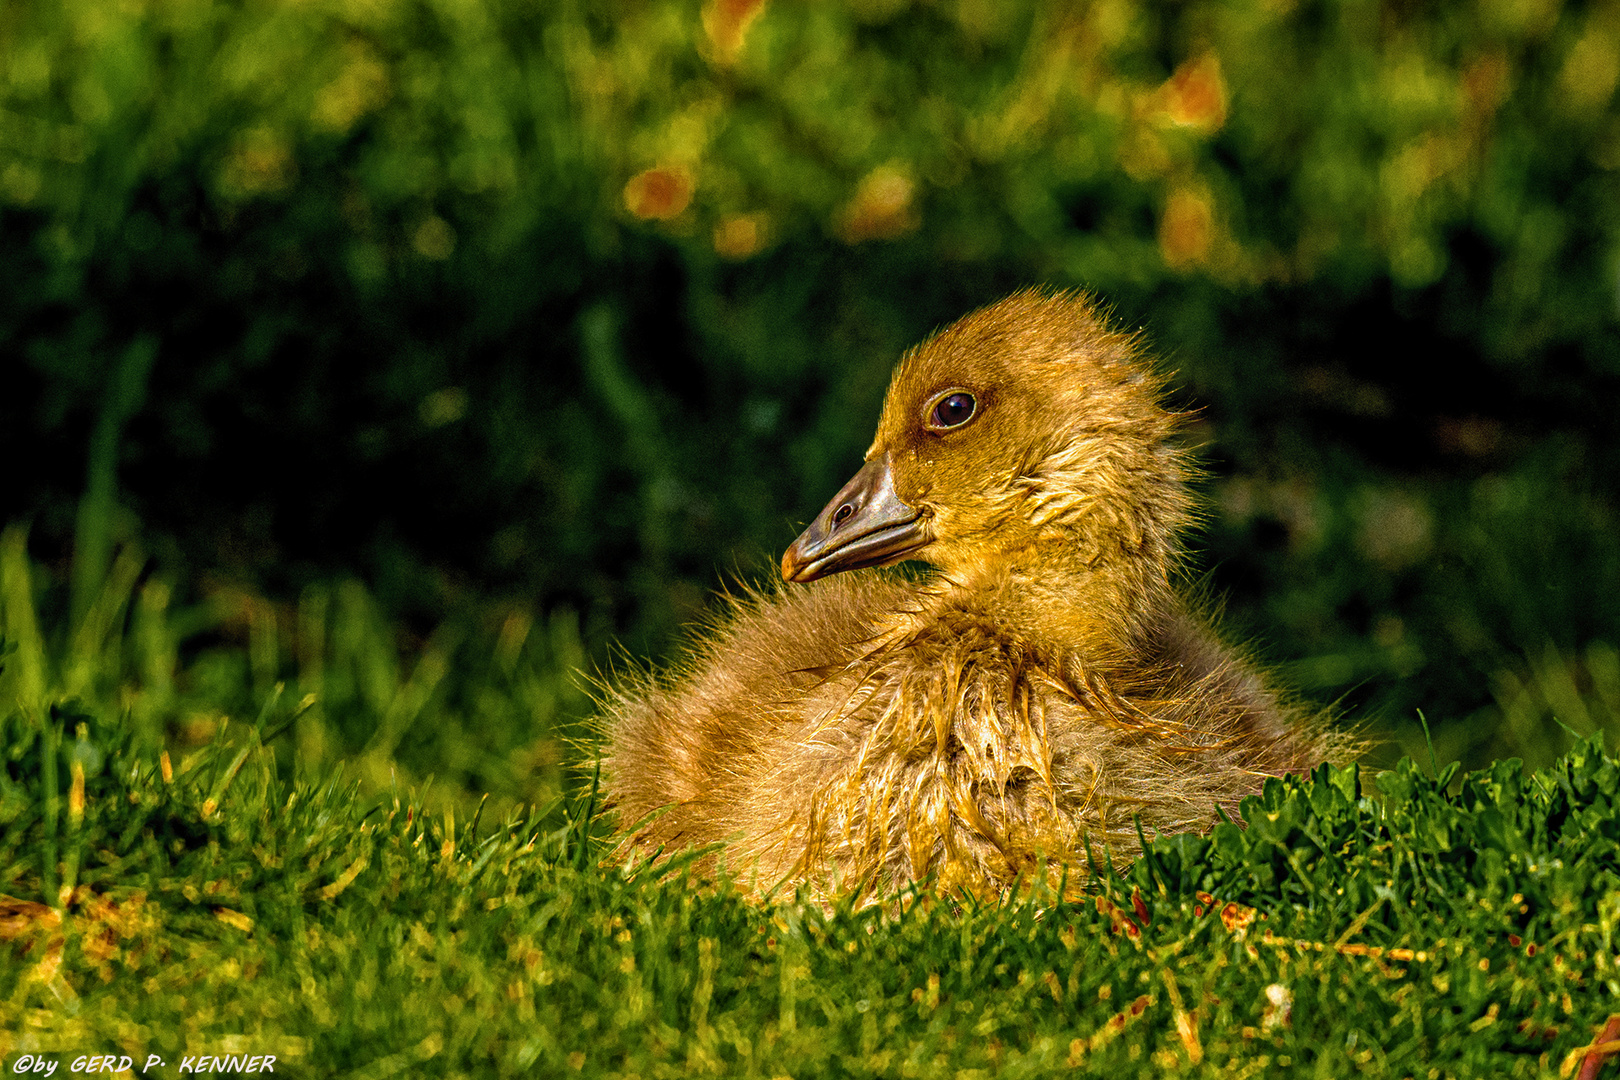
pixel 93 537
pixel 26 668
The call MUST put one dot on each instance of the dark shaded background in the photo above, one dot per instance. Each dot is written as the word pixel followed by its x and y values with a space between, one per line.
pixel 451 313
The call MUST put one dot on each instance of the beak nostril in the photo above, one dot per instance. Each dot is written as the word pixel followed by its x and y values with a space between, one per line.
pixel 842 513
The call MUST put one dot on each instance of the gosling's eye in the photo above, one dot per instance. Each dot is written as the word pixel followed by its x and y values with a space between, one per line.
pixel 953 410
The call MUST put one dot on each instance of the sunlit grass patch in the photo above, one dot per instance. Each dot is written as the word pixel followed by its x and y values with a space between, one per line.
pixel 221 911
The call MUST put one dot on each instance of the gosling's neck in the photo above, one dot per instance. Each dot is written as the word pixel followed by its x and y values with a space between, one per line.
pixel 1059 599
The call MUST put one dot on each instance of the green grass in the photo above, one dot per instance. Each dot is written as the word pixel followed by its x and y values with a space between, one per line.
pixel 232 900
pixel 488 705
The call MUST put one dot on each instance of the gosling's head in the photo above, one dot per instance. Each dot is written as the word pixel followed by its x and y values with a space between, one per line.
pixel 1028 438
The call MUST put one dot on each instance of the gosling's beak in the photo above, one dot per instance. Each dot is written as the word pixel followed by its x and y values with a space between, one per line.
pixel 866 524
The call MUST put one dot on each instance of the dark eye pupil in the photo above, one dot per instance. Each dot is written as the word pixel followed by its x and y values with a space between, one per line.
pixel 953 410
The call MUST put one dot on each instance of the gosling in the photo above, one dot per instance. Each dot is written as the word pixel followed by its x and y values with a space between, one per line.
pixel 1011 713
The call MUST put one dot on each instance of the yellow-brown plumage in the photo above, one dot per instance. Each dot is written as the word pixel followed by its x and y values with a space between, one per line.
pixel 1043 685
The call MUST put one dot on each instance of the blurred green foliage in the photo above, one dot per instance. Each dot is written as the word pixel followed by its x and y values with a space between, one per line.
pixel 502 304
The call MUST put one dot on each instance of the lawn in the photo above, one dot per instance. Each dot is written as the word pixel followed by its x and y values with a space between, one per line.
pixel 210 907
